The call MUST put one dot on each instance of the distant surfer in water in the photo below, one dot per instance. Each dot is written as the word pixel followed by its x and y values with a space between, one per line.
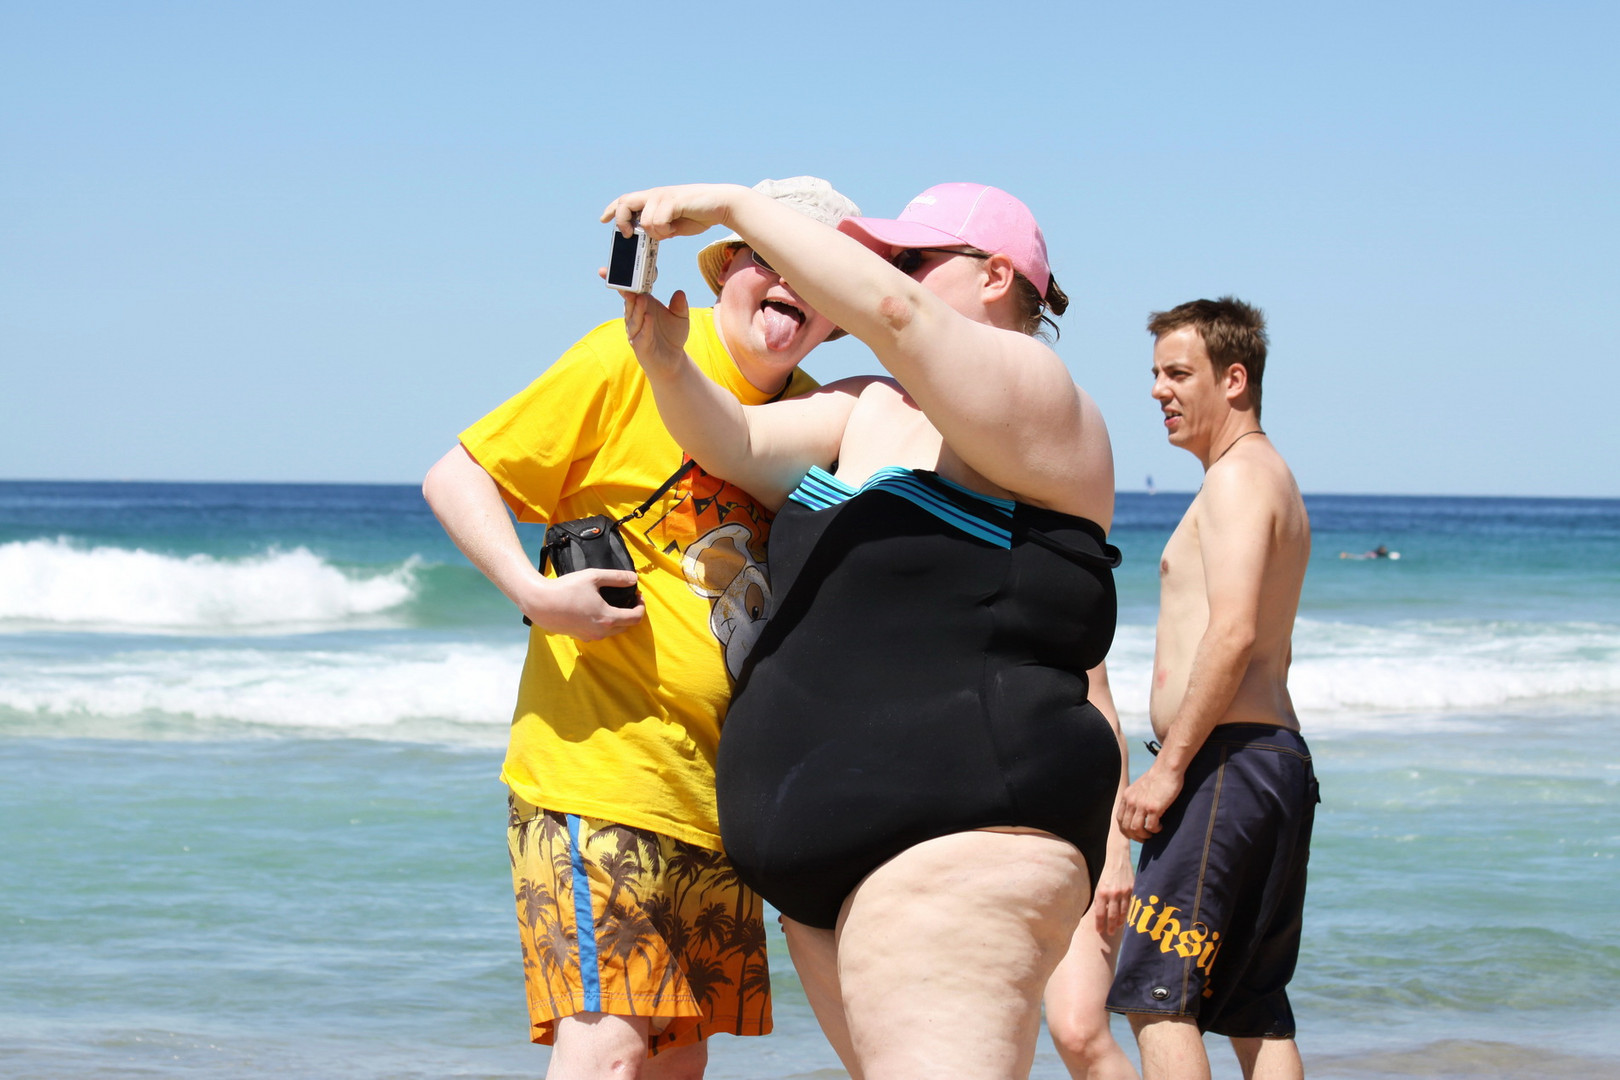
pixel 1379 552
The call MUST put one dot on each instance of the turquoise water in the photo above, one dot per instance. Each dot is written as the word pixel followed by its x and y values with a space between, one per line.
pixel 249 819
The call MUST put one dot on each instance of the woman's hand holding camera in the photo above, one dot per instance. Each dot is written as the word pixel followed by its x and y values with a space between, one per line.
pixel 683 210
pixel 658 332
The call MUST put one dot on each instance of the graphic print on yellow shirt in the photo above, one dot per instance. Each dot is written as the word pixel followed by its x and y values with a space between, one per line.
pixel 626 728
pixel 721 531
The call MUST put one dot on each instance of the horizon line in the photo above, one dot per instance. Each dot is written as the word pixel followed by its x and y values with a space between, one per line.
pixel 1117 491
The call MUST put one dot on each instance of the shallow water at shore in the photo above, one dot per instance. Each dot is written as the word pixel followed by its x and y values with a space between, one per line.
pixel 317 907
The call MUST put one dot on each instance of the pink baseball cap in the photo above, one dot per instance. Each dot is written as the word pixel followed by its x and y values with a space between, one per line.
pixel 954 215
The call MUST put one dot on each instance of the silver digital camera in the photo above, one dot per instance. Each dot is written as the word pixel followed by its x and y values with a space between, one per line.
pixel 633 264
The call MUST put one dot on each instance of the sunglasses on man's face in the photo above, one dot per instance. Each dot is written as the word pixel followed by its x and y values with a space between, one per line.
pixel 759 261
pixel 907 260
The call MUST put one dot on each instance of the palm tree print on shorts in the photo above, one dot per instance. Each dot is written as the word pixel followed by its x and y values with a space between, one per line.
pixel 673 933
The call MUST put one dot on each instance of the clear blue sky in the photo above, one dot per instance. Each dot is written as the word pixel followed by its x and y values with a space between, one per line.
pixel 312 241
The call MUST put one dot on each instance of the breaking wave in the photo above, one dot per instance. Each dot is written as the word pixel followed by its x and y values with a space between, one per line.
pixel 58 583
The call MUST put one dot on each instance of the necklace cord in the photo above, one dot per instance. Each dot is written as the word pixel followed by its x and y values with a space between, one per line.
pixel 1234 442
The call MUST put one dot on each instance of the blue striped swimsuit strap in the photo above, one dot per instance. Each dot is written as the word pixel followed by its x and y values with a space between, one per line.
pixel 820 490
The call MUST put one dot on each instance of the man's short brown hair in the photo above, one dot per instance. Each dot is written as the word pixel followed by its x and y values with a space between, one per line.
pixel 1233 333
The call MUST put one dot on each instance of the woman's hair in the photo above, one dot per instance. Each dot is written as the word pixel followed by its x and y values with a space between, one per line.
pixel 1032 310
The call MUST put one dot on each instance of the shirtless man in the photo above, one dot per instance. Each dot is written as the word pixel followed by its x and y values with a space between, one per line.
pixel 1224 813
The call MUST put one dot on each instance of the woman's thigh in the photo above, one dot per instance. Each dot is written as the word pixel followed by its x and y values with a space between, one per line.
pixel 944 950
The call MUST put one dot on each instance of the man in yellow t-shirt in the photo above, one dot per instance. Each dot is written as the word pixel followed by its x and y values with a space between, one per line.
pixel 638 940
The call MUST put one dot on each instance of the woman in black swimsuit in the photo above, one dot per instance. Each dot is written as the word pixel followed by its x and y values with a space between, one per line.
pixel 910 770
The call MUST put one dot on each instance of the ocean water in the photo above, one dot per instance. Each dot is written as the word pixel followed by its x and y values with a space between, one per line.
pixel 250 822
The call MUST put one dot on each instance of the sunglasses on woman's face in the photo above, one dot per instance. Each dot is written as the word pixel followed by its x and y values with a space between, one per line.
pixel 908 260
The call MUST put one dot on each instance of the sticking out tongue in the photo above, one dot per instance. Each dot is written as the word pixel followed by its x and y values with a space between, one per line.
pixel 781 323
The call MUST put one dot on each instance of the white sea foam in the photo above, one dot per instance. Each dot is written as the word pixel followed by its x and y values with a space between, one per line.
pixel 377 691
pixel 1342 670
pixel 60 583
pixel 1345 677
pixel 1451 665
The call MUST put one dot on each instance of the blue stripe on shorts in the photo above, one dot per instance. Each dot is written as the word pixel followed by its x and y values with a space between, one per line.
pixel 584 922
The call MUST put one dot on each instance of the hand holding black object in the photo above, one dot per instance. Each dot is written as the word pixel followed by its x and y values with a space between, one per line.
pixel 573 605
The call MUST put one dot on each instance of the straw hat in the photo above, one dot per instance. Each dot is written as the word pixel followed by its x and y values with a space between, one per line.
pixel 809 195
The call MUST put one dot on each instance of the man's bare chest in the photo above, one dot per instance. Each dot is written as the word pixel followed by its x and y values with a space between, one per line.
pixel 1181 568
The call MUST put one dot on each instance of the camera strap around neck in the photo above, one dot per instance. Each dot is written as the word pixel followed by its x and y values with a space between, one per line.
pixel 674 478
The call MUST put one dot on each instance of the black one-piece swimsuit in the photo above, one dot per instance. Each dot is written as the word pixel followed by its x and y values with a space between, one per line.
pixel 924 674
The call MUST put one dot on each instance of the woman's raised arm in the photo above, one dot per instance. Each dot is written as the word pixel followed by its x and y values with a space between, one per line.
pixel 1003 401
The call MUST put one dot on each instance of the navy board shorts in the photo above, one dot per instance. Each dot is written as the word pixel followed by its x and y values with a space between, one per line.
pixel 1214 924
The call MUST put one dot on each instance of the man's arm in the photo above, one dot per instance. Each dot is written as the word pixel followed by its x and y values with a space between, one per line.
pixel 763 449
pixel 1234 542
pixel 1113 897
pixel 468 503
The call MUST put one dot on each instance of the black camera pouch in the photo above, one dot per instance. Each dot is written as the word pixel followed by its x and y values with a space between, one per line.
pixel 594 543
pixel 591 543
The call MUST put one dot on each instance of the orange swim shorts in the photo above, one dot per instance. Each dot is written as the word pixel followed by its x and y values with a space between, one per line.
pixel 668 931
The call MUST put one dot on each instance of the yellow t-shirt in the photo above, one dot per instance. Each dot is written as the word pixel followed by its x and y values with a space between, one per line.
pixel 626 728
